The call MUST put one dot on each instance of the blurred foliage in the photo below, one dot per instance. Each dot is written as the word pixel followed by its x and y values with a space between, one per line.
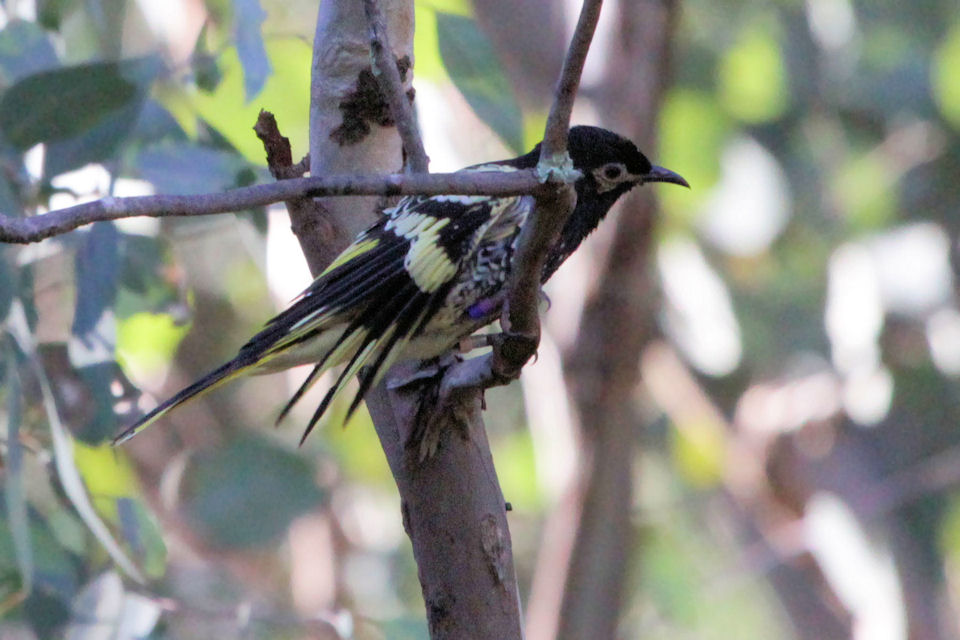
pixel 855 106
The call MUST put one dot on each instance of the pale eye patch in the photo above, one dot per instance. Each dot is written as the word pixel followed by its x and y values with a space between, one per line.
pixel 610 175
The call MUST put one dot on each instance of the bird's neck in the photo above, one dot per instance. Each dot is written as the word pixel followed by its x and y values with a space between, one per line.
pixel 590 210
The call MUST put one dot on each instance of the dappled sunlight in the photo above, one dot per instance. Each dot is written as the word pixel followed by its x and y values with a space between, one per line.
pixel 790 425
pixel 750 205
pixel 860 569
pixel 699 313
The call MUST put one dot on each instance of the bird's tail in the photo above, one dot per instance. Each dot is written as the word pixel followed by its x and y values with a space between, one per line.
pixel 212 380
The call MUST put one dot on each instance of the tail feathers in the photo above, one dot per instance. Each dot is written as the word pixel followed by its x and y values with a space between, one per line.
pixel 214 379
pixel 317 370
pixel 358 360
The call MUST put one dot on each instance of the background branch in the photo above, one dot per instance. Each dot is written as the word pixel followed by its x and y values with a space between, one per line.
pixel 603 369
pixel 47 225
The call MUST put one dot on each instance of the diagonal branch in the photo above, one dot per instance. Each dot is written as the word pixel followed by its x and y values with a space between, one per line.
pixel 558 121
pixel 554 204
pixel 391 84
pixel 47 225
pixel 521 319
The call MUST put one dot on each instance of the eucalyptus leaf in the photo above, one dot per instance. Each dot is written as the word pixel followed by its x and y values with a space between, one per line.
pixel 60 103
pixel 53 569
pixel 102 420
pixel 143 535
pixel 247 493
pixel 11 204
pixel 155 124
pixel 97 268
pixel 64 462
pixel 25 49
pixel 98 143
pixel 8 283
pixel 143 284
pixel 249 17
pixel 472 64
pixel 16 500
pixel 50 13
pixel 187 168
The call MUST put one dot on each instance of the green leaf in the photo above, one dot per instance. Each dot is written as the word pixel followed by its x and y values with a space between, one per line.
pixel 61 103
pixel 472 64
pixel 10 201
pixel 154 125
pixel 753 78
pixel 98 143
pixel 249 17
pixel 865 190
pixel 25 49
pixel 247 493
pixel 16 501
pixel 187 168
pixel 109 476
pixel 146 342
pixel 693 131
pixel 94 339
pixel 946 67
pixel 65 464
pixel 143 535
pixel 145 280
pixel 203 63
pixel 53 568
pixel 286 94
pixel 97 381
pixel 96 269
pixel 8 283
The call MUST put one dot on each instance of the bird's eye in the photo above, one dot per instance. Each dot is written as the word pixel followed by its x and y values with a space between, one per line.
pixel 613 171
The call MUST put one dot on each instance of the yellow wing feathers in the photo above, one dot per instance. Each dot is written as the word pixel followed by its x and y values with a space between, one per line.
pixel 367 305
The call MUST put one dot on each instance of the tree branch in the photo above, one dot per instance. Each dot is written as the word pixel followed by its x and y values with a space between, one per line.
pixel 453 508
pixel 558 122
pixel 36 228
pixel 521 318
pixel 391 84
pixel 602 370
pixel 554 204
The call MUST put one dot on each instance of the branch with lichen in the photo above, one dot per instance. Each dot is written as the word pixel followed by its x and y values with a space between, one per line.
pixel 47 225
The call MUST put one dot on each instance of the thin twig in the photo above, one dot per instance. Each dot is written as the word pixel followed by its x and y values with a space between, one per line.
pixel 34 229
pixel 392 86
pixel 520 318
pixel 554 204
pixel 558 122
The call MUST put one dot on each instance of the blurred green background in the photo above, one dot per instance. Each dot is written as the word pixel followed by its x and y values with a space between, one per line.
pixel 799 468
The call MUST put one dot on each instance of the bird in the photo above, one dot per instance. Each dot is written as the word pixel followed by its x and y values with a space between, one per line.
pixel 428 273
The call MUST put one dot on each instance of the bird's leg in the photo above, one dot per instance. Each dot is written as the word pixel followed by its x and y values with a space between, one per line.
pixel 444 406
pixel 418 374
pixel 425 379
pixel 476 341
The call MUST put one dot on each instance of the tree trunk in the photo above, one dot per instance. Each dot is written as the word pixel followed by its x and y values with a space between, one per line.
pixel 453 508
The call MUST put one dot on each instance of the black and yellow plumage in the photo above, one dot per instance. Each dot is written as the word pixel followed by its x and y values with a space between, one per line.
pixel 428 273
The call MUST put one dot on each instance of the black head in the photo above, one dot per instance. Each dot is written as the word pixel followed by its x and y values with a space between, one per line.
pixel 611 165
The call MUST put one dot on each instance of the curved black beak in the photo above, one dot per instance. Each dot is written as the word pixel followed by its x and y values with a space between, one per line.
pixel 659 174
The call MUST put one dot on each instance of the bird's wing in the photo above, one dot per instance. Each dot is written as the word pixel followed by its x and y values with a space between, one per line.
pixel 366 305
pixel 436 237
